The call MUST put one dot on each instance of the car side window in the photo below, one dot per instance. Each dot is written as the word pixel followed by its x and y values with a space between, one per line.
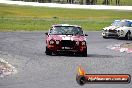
pixel 130 25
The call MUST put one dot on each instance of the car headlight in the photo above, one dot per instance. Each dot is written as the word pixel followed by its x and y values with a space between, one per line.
pixel 122 32
pixel 77 42
pixel 83 43
pixel 57 42
pixel 105 30
pixel 51 42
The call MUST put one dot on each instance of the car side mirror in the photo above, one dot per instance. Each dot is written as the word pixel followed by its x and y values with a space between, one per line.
pixel 86 34
pixel 46 33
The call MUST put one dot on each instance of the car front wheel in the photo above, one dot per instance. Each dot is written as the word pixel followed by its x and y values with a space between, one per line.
pixel 84 53
pixel 128 35
pixel 48 52
pixel 105 37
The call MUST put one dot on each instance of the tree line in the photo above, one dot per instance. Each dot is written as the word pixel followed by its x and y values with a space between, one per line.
pixel 87 2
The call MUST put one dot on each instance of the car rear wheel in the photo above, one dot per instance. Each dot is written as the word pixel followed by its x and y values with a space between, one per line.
pixel 48 52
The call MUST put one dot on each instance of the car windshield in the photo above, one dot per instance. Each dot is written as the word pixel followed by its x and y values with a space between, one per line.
pixel 115 23
pixel 121 24
pixel 66 30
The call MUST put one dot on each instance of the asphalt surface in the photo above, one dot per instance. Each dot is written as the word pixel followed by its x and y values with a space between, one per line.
pixel 25 51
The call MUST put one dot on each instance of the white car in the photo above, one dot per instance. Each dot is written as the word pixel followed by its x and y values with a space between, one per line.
pixel 110 31
pixel 125 31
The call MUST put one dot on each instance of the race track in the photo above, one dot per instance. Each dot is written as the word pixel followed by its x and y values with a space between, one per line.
pixel 25 51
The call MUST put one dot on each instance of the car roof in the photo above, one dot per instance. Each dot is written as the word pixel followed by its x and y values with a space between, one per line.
pixel 126 20
pixel 66 25
pixel 123 20
pixel 116 20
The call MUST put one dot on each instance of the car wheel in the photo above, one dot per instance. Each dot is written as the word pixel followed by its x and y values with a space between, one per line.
pixel 48 52
pixel 117 37
pixel 84 53
pixel 128 35
pixel 105 37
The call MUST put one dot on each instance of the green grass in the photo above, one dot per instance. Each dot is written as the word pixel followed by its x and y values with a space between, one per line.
pixel 28 18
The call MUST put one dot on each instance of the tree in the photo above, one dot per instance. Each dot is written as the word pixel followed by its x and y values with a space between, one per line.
pixel 87 2
pixel 106 2
pixel 117 2
pixel 93 2
pixel 70 1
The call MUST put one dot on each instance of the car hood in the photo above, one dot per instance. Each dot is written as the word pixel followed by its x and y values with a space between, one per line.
pixel 110 28
pixel 68 37
pixel 121 28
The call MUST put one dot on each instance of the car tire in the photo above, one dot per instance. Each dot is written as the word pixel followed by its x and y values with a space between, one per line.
pixel 117 37
pixel 128 34
pixel 105 37
pixel 84 53
pixel 48 52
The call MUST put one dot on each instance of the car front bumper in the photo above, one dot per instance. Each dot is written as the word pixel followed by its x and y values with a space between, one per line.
pixel 77 49
pixel 109 34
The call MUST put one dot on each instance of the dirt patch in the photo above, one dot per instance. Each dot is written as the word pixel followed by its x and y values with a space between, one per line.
pixel 6 68
pixel 127 45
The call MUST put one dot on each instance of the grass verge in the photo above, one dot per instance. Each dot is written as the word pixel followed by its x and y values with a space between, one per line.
pixel 28 18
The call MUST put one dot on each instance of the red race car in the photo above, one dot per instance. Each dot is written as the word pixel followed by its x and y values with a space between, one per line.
pixel 65 38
